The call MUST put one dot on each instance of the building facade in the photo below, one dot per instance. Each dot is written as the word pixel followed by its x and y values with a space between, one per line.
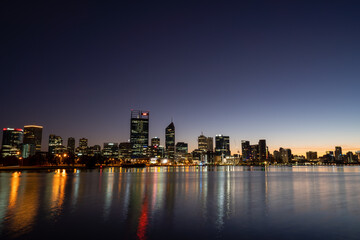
pixel 222 147
pixel 12 142
pixel 170 141
pixel 55 142
pixel 33 135
pixel 139 133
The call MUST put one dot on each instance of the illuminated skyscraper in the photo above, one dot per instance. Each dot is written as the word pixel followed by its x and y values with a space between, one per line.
pixel 170 141
pixel 11 142
pixel 202 143
pixel 125 150
pixel 33 135
pixel 222 146
pixel 111 150
pixel 54 143
pixel 82 150
pixel 155 141
pixel 181 149
pixel 139 133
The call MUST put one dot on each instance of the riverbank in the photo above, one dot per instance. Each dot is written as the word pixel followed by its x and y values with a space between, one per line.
pixel 52 167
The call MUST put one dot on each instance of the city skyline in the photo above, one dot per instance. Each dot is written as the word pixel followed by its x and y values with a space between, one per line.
pixel 284 72
pixel 194 144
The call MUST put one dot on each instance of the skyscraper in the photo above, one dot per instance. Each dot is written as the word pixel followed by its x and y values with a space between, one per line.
pixel 54 143
pixel 246 150
pixel 181 148
pixel 262 150
pixel 82 150
pixel 155 141
pixel 139 133
pixel 222 147
pixel 210 144
pixel 170 141
pixel 111 150
pixel 71 145
pixel 311 155
pixel 202 143
pixel 338 153
pixel 125 150
pixel 286 155
pixel 33 135
pixel 11 142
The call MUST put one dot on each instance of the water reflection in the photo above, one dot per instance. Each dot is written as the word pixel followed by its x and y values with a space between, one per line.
pixel 184 202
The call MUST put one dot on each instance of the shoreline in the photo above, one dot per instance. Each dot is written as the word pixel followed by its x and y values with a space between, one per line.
pixel 24 168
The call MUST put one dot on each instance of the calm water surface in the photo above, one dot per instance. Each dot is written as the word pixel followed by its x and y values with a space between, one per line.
pixel 182 203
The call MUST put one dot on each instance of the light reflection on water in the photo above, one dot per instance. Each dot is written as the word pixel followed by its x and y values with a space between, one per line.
pixel 182 202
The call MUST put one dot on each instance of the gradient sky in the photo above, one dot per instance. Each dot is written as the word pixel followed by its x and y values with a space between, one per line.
pixel 286 71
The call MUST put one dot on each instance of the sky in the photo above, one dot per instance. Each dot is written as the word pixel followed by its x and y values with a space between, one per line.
pixel 284 71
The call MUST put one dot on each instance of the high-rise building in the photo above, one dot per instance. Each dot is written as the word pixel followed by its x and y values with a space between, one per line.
pixel 286 155
pixel 125 150
pixel 139 133
pixel 246 151
pixel 33 135
pixel 54 143
pixel 205 149
pixel 71 145
pixel 82 150
pixel 338 153
pixel 12 141
pixel 202 143
pixel 262 150
pixel 93 150
pixel 181 149
pixel 170 141
pixel 311 155
pixel 111 150
pixel 210 144
pixel 155 141
pixel 222 146
pixel 83 143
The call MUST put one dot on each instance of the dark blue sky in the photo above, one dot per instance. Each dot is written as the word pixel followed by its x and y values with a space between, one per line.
pixel 287 71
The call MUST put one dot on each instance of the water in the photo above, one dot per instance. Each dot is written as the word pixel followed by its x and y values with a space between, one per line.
pixel 182 203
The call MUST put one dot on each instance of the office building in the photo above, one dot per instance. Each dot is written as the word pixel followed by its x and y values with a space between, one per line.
pixel 246 151
pixel 139 133
pixel 93 150
pixel 12 141
pixel 170 141
pixel 71 145
pixel 181 150
pixel 285 155
pixel 55 142
pixel 222 147
pixel 338 153
pixel 210 144
pixel 125 150
pixel 33 135
pixel 82 150
pixel 155 141
pixel 202 143
pixel 311 155
pixel 111 150
pixel 262 150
